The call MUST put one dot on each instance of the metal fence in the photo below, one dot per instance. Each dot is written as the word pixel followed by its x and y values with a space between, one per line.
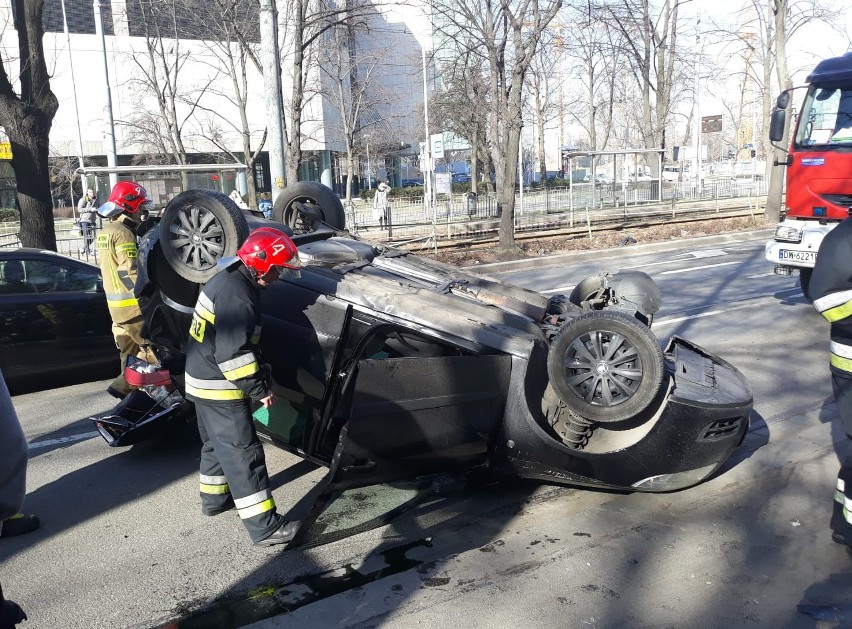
pixel 464 215
pixel 461 216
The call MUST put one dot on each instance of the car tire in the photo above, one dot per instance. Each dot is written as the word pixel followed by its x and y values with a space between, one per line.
pixel 586 289
pixel 606 366
pixel 805 283
pixel 198 227
pixel 316 198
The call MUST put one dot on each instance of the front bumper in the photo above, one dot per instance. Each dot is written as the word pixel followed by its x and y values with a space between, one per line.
pixel 798 254
pixel 138 418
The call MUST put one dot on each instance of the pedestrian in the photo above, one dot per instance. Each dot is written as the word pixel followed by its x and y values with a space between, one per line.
pixel 13 478
pixel 87 209
pixel 380 204
pixel 831 290
pixel 237 198
pixel 117 256
pixel 265 205
pixel 223 372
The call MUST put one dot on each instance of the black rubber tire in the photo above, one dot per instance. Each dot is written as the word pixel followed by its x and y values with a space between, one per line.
pixel 198 227
pixel 585 289
pixel 599 386
pixel 805 283
pixel 310 193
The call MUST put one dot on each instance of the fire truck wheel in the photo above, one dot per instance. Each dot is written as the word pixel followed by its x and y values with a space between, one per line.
pixel 805 283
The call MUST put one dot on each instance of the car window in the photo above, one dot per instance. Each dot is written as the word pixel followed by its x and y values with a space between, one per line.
pixel 13 278
pixel 57 277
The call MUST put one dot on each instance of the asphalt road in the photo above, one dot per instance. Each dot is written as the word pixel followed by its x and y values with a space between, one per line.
pixel 123 543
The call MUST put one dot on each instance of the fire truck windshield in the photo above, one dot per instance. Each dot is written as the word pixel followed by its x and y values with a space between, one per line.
pixel 826 118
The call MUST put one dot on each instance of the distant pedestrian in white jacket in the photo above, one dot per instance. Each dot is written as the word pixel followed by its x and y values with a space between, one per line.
pixel 380 204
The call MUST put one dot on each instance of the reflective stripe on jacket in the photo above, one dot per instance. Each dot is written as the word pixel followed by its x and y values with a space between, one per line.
pixel 831 289
pixel 117 257
pixel 221 358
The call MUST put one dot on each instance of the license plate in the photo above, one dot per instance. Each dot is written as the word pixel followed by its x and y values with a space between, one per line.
pixel 796 256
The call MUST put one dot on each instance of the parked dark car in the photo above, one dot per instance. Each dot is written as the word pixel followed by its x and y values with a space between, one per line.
pixel 461 178
pixel 391 368
pixel 411 183
pixel 54 324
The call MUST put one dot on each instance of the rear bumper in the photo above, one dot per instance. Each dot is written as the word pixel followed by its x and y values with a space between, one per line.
pixel 696 427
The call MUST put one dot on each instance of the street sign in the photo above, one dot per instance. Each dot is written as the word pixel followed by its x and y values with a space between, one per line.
pixel 437 146
pixel 5 150
pixel 711 124
pixel 443 183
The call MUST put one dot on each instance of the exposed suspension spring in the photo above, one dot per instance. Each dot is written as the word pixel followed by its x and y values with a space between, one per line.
pixel 577 431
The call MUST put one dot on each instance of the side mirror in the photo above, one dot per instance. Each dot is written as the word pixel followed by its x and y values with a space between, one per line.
pixel 783 100
pixel 777 124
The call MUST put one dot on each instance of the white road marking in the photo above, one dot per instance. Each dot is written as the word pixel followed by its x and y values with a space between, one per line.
pixel 561 289
pixel 695 316
pixel 698 268
pixel 746 304
pixel 708 253
pixel 752 277
pixel 61 440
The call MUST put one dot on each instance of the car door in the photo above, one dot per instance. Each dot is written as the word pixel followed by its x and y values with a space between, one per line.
pixel 404 411
pixel 54 321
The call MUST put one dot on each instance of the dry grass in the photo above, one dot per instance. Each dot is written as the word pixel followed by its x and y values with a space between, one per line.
pixel 550 245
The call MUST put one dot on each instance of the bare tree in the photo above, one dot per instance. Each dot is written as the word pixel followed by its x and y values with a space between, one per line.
pixel 650 42
pixel 464 82
pixel 545 85
pixel 598 53
pixel 506 33
pixel 27 118
pixel 231 39
pixel 306 21
pixel 166 24
pixel 348 69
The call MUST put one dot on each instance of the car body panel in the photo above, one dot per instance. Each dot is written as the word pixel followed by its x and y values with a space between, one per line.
pixel 54 326
pixel 391 368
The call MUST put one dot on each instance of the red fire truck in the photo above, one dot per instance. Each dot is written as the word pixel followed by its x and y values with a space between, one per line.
pixel 819 168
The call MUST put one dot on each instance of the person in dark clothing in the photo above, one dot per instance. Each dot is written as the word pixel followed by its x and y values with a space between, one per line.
pixel 831 290
pixel 223 373
pixel 13 475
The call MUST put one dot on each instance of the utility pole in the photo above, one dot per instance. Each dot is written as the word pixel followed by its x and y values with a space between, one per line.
pixel 272 94
pixel 109 127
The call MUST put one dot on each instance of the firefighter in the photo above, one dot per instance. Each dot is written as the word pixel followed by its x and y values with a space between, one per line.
pixel 223 373
pixel 117 256
pixel 831 290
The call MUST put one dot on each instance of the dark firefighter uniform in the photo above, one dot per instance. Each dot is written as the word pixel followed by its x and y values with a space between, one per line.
pixel 117 257
pixel 831 290
pixel 222 374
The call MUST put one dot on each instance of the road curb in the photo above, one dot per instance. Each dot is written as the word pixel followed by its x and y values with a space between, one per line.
pixel 616 252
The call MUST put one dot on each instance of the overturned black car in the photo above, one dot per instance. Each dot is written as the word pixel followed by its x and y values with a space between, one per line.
pixel 389 366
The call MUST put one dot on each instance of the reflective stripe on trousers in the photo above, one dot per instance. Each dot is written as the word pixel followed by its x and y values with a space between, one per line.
pixel 232 451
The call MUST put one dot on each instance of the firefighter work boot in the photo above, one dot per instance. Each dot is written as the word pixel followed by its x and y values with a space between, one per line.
pixel 115 393
pixel 19 524
pixel 281 535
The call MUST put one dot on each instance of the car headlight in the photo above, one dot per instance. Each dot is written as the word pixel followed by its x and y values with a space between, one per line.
pixel 788 234
pixel 678 480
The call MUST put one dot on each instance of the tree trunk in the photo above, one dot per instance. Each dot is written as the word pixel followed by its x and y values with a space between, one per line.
pixel 28 137
pixel 506 188
pixel 772 212
pixel 27 120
